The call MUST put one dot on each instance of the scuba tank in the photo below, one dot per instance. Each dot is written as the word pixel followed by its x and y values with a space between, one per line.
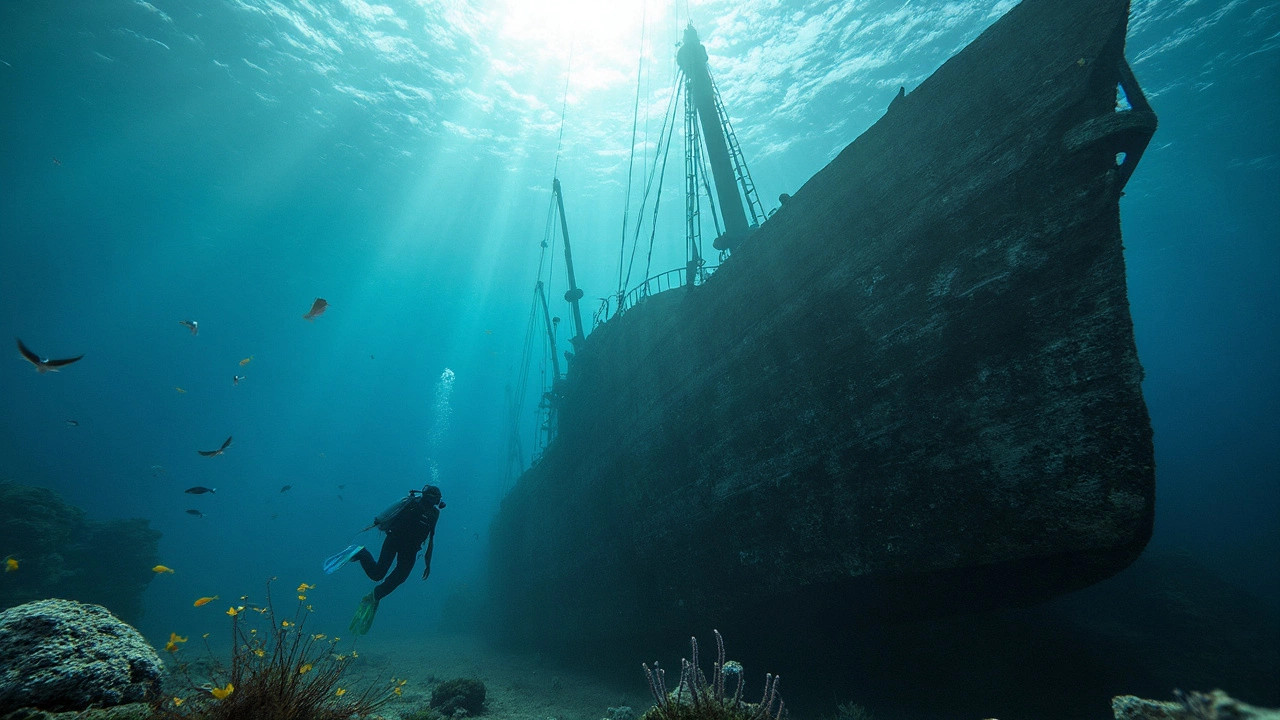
pixel 388 519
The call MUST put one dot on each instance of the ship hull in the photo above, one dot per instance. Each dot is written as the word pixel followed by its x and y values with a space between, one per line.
pixel 913 391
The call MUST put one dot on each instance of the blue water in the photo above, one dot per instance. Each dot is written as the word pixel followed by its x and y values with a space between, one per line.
pixel 232 161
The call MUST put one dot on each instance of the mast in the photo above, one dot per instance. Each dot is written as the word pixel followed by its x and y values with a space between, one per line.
pixel 692 59
pixel 574 294
pixel 551 334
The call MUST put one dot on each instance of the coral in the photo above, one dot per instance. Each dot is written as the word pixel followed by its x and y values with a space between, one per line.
pixel 696 699
pixel 61 554
pixel 465 694
pixel 620 713
pixel 65 655
pixel 1216 705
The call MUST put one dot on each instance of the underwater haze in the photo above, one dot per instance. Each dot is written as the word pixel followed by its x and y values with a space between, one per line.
pixel 230 162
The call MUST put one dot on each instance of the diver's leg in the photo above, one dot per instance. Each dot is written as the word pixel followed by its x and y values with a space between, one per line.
pixel 404 564
pixel 376 569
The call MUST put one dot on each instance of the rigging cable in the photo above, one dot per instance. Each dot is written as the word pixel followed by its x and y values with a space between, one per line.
pixel 635 123
pixel 664 137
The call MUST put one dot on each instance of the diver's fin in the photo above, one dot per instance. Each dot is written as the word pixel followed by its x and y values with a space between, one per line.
pixel 334 562
pixel 363 619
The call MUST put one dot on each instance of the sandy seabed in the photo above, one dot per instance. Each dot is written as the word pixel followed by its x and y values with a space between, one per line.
pixel 518 687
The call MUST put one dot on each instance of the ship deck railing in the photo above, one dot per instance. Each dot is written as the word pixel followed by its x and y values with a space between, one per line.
pixel 662 282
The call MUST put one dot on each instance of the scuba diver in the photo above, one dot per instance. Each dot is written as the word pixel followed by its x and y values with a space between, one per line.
pixel 408 523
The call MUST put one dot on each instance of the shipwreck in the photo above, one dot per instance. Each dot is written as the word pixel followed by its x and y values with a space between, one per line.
pixel 912 390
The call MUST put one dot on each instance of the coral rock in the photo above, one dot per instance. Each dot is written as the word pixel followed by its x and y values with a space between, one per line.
pixel 65 655
pixel 1216 705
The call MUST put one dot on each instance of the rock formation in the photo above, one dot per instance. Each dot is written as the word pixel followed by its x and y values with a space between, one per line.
pixel 61 554
pixel 65 655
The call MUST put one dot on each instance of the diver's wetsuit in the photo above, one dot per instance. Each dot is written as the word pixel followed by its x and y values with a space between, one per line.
pixel 412 527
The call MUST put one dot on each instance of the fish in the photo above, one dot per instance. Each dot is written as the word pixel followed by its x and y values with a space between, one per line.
pixel 199 490
pixel 246 361
pixel 317 309
pixel 214 453
pixel 72 423
pixel 222 693
pixel 340 692
pixel 286 488
pixel 235 379
pixel 44 365
pixel 197 513
pixel 305 669
pixel 162 569
pixel 191 325
pixel 180 390
pixel 10 564
pixel 204 601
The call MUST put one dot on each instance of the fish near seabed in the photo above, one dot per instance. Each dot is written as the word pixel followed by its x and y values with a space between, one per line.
pixel 317 309
pixel 44 365
pixel 214 453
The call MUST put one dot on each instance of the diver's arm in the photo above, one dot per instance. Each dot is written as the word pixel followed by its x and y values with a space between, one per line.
pixel 426 556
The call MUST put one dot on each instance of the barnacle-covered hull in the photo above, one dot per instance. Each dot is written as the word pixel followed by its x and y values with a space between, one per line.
pixel 913 391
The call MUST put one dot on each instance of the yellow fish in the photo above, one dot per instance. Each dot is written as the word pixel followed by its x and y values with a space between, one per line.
pixel 204 601
pixel 305 587
pixel 10 564
pixel 340 692
pixel 221 693
pixel 285 623
pixel 259 652
pixel 162 569
pixel 247 360
pixel 180 390
pixel 304 669
pixel 396 690
pixel 321 636
pixel 174 640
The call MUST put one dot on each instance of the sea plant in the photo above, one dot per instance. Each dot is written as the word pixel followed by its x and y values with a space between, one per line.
pixel 277 671
pixel 696 698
